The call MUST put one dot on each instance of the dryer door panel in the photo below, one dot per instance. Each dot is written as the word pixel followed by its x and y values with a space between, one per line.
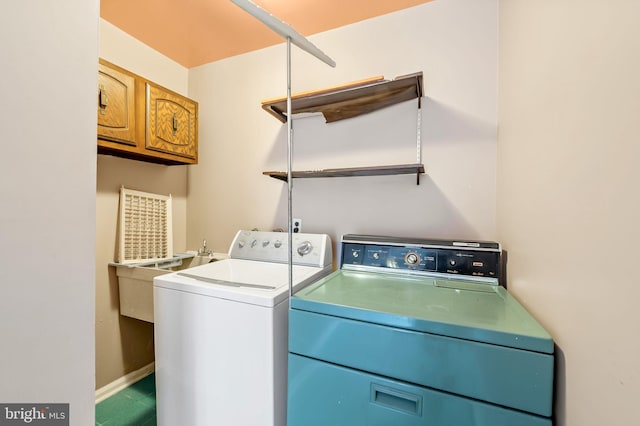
pixel 492 373
pixel 323 394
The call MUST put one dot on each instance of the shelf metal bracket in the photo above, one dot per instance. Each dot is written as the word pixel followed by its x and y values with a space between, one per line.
pixel 419 139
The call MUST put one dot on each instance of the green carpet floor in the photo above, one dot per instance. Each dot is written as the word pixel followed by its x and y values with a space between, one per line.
pixel 133 406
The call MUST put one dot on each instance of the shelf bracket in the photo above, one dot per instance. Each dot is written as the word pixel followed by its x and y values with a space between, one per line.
pixel 419 139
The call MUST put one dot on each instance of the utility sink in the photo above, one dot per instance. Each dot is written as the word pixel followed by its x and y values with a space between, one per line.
pixel 135 281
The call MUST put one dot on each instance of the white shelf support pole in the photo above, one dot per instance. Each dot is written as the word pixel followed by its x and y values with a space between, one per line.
pixel 283 29
pixel 289 169
pixel 292 36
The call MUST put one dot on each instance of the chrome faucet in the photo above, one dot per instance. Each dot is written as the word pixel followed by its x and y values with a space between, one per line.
pixel 204 251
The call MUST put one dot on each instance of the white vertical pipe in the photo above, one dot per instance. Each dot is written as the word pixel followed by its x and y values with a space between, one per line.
pixel 292 36
pixel 289 174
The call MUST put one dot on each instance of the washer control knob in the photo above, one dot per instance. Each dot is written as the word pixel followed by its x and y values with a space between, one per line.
pixel 277 243
pixel 305 248
pixel 253 243
pixel 452 262
pixel 265 243
pixel 412 258
pixel 376 255
pixel 355 253
pixel 241 243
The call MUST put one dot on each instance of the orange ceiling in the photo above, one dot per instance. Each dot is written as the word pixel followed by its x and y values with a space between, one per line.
pixel 195 32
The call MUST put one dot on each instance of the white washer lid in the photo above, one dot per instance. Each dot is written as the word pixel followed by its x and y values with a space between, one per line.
pixel 248 281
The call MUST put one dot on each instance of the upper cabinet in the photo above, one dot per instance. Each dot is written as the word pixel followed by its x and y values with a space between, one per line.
pixel 141 120
pixel 172 123
pixel 116 105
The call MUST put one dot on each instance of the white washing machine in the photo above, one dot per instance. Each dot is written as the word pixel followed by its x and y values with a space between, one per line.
pixel 221 331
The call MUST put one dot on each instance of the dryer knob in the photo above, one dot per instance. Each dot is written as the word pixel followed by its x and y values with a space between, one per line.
pixel 412 259
pixel 277 244
pixel 305 248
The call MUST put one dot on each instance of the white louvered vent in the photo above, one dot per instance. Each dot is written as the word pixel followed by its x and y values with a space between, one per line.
pixel 146 232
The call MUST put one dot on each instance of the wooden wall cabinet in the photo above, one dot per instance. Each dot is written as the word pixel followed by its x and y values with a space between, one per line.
pixel 171 122
pixel 141 120
pixel 116 111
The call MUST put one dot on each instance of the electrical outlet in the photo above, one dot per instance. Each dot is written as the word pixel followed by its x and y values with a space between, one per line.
pixel 297 225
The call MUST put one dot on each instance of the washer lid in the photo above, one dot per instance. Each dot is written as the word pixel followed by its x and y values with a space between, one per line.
pixel 258 283
pixel 454 308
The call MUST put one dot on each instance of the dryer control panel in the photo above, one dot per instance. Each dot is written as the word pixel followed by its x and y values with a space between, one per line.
pixel 421 256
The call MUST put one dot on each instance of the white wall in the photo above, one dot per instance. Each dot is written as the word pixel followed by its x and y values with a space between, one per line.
pixel 453 42
pixel 566 203
pixel 123 344
pixel 47 191
pixel 120 48
pixel 568 199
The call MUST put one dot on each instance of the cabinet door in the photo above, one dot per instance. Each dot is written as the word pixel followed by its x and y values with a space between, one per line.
pixel 116 105
pixel 172 123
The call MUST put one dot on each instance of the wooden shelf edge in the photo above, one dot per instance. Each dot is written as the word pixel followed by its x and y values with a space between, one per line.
pixel 327 90
pixel 401 169
pixel 351 99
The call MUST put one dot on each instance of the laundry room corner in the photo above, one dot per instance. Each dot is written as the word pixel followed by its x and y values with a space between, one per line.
pixel 568 193
pixel 456 195
pixel 123 344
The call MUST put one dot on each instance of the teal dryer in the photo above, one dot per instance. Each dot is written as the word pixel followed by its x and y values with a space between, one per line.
pixel 416 332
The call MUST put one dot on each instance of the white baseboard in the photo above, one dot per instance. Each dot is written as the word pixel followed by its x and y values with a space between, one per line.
pixel 124 381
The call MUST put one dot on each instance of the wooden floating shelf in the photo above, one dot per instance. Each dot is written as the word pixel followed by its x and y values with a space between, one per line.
pixel 402 169
pixel 351 99
pixel 348 101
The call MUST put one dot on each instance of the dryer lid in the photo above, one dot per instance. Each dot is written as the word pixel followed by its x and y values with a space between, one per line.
pixel 456 308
